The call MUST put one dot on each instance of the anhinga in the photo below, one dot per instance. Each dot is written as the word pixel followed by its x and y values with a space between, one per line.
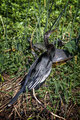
pixel 38 71
pixel 61 55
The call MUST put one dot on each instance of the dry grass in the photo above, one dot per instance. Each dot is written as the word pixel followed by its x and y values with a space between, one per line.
pixel 26 107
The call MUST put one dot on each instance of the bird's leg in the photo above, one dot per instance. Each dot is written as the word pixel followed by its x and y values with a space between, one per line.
pixel 34 95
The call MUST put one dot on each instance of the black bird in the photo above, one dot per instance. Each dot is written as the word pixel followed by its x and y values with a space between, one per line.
pixel 38 71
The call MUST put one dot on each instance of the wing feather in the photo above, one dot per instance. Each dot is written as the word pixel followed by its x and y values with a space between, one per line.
pixel 39 76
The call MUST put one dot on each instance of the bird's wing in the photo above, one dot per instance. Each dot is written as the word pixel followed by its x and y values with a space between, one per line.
pixel 40 73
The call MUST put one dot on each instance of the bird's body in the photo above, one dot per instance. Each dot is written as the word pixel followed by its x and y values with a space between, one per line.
pixel 38 72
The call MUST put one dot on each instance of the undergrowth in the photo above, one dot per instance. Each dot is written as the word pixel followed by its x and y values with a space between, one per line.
pixel 23 20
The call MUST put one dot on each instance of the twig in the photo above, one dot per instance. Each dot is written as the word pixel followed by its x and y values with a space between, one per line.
pixel 3 107
pixel 17 112
pixel 70 110
pixel 10 114
pixel 45 107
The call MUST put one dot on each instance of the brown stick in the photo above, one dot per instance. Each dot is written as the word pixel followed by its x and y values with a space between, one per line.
pixel 45 107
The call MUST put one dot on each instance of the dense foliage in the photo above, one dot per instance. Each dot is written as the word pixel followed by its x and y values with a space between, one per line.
pixel 20 19
pixel 24 19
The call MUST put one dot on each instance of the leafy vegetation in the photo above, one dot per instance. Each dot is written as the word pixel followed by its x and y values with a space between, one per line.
pixel 21 20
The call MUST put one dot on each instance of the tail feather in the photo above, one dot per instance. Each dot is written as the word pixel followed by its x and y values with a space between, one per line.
pixel 13 100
